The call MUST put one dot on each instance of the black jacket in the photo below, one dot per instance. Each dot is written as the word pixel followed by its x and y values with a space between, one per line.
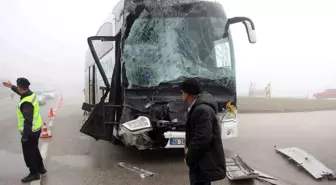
pixel 27 110
pixel 205 156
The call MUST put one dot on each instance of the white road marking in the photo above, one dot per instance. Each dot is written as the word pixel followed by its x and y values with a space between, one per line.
pixel 50 123
pixel 38 182
pixel 43 150
pixel 44 147
pixel 84 137
pixel 49 132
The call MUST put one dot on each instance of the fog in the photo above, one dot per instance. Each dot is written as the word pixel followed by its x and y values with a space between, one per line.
pixel 45 41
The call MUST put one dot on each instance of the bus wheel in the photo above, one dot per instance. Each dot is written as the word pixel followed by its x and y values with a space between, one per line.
pixel 115 140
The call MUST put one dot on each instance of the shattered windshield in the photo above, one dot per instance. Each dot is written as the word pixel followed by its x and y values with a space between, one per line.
pixel 166 43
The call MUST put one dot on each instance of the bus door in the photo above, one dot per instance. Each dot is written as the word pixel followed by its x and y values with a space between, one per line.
pixel 92 84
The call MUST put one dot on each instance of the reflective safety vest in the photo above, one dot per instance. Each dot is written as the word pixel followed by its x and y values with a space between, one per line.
pixel 37 119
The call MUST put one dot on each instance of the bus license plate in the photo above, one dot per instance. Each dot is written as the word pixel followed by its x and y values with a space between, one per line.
pixel 174 141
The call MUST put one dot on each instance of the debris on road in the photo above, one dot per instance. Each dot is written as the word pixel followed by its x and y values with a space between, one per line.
pixel 236 169
pixel 308 162
pixel 265 178
pixel 143 173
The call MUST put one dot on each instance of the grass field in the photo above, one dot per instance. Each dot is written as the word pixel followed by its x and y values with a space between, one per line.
pixel 266 105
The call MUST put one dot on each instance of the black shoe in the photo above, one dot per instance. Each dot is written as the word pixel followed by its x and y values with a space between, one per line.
pixel 43 171
pixel 30 177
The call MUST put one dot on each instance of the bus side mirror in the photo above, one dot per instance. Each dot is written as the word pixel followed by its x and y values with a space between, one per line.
pixel 249 26
pixel 251 33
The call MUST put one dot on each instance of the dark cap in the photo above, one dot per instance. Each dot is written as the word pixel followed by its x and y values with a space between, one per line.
pixel 191 86
pixel 23 82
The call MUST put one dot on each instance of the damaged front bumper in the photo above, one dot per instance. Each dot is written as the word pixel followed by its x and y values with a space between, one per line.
pixel 163 118
pixel 175 139
pixel 229 130
pixel 141 134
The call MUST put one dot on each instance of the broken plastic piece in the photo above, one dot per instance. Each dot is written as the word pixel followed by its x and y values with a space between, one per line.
pixel 267 178
pixel 143 173
pixel 236 169
pixel 308 162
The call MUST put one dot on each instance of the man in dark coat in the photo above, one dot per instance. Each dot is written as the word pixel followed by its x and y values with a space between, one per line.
pixel 204 152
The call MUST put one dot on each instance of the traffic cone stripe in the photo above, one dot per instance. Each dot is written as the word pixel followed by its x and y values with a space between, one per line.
pixel 51 113
pixel 45 133
pixel 60 102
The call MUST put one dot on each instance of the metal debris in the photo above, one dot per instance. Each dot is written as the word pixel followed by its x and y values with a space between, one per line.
pixel 308 162
pixel 265 178
pixel 143 173
pixel 236 169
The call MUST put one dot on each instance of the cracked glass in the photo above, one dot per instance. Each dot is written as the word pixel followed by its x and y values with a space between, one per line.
pixel 167 41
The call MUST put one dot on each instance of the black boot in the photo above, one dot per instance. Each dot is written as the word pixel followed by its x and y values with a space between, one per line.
pixel 31 177
pixel 43 171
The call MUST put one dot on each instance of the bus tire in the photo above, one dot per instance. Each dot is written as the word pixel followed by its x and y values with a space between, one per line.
pixel 115 140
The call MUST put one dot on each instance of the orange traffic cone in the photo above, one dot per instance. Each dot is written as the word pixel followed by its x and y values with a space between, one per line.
pixel 51 113
pixel 45 133
pixel 60 104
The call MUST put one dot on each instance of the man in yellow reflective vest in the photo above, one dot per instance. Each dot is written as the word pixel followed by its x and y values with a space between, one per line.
pixel 29 125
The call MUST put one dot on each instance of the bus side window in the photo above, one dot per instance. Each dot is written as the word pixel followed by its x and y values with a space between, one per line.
pixel 102 48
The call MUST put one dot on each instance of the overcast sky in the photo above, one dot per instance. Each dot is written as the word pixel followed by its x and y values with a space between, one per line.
pixel 294 50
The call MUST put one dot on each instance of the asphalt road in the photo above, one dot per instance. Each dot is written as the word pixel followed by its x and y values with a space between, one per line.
pixel 75 159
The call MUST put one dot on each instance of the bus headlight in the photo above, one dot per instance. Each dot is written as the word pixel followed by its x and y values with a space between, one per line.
pixel 228 123
pixel 226 116
pixel 141 123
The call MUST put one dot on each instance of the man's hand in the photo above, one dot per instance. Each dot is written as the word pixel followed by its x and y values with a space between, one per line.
pixel 24 139
pixel 7 84
pixel 185 153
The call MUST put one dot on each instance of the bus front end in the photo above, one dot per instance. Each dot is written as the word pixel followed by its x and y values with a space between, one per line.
pixel 161 44
pixel 164 44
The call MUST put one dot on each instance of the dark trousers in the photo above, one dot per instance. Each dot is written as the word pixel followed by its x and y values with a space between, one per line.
pixel 193 181
pixel 31 153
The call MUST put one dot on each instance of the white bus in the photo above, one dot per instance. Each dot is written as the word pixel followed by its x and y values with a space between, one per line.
pixel 140 56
